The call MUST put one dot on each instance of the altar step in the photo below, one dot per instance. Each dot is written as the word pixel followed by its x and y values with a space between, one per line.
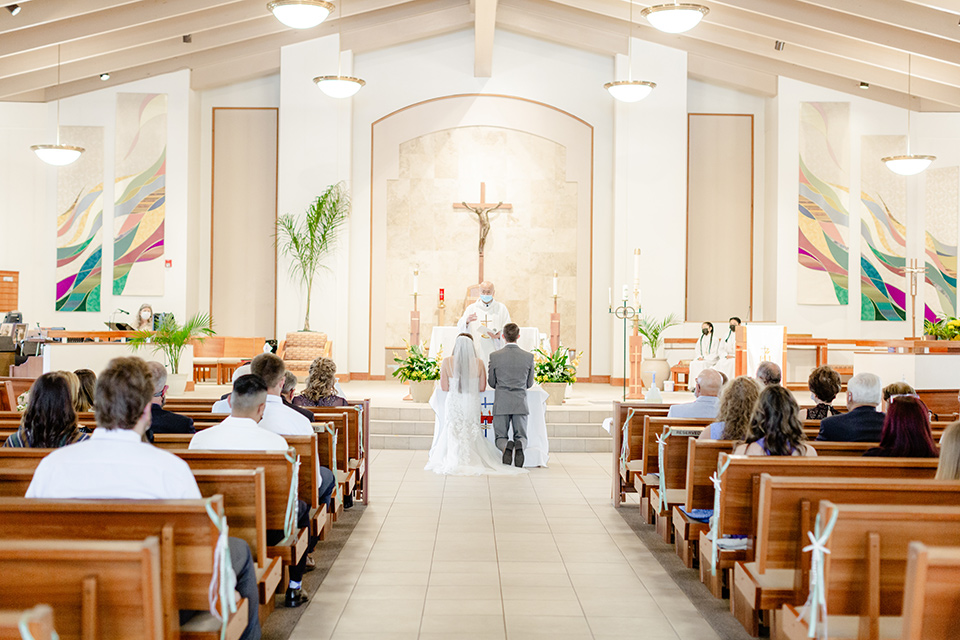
pixel 412 428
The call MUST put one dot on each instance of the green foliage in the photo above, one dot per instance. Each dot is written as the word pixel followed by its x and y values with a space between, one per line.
pixel 172 338
pixel 307 241
pixel 944 328
pixel 652 330
pixel 556 366
pixel 417 365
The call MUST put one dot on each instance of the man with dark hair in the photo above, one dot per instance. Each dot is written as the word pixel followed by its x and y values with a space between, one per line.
pixel 240 431
pixel 162 421
pixel 286 395
pixel 115 464
pixel 510 373
pixel 768 373
pixel 277 417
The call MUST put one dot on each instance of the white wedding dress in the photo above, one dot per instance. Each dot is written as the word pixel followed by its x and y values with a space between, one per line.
pixel 460 448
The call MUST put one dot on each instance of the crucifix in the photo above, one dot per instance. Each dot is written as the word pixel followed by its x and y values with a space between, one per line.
pixel 913 270
pixel 482 210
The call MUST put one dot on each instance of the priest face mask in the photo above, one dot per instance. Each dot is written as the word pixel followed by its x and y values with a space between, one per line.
pixel 486 298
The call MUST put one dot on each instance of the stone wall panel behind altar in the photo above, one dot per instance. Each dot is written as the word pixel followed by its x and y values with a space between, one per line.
pixel 525 245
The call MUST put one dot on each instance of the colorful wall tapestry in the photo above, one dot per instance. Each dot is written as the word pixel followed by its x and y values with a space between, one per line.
pixel 139 210
pixel 940 242
pixel 883 231
pixel 80 223
pixel 824 218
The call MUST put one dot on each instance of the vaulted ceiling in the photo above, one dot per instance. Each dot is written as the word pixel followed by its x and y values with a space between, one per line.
pixel 832 43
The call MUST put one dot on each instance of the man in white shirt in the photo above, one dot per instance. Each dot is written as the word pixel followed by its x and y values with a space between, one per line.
pixel 115 464
pixel 240 431
pixel 706 391
pixel 276 416
pixel 223 404
pixel 485 320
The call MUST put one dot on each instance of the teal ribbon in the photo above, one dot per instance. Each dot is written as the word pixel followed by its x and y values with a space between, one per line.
pixel 223 584
pixel 24 626
pixel 625 442
pixel 717 480
pixel 815 608
pixel 661 444
pixel 290 518
pixel 361 449
pixel 328 427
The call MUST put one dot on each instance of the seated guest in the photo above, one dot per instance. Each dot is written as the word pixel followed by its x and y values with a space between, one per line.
pixel 277 417
pixel 768 373
pixel 162 421
pixel 320 391
pixel 50 420
pixel 824 385
pixel 706 389
pixel 115 464
pixel 775 429
pixel 906 431
pixel 223 404
pixel 286 394
pixel 74 381
pixel 240 431
pixel 88 385
pixel 949 467
pixel 861 422
pixel 895 389
pixel 737 401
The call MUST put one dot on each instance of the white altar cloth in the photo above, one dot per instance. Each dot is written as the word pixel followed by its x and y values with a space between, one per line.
pixel 537 451
pixel 444 337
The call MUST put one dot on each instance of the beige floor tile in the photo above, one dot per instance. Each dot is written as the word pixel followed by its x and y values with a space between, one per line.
pixel 389 592
pixel 538 592
pixel 460 566
pixel 372 578
pixel 465 579
pixel 527 568
pixel 468 592
pixel 528 580
pixel 455 625
pixel 463 607
pixel 613 628
pixel 566 607
pixel 499 635
pixel 528 626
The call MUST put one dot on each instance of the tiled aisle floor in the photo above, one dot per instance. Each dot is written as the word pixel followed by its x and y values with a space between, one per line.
pixel 543 555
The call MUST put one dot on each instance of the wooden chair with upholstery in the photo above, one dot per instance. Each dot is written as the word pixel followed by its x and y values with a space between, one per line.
pixel 301 348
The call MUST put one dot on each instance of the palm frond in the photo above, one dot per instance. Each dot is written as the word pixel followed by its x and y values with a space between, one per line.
pixel 652 330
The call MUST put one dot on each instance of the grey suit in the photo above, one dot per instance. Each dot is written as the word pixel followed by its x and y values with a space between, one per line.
pixel 510 372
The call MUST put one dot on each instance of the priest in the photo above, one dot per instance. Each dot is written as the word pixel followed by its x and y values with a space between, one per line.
pixel 707 353
pixel 484 320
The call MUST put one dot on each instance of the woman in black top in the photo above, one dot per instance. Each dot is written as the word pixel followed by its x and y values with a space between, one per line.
pixel 320 386
pixel 824 385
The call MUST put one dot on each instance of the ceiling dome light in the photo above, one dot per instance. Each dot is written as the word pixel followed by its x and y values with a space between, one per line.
pixel 58 155
pixel 909 165
pixel 300 14
pixel 339 86
pixel 675 18
pixel 630 90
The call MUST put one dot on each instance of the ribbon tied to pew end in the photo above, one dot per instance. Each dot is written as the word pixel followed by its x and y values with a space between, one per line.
pixel 717 481
pixel 625 441
pixel 662 479
pixel 223 584
pixel 23 625
pixel 815 608
pixel 290 518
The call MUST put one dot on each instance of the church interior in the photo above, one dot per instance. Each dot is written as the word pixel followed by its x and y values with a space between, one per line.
pixel 724 425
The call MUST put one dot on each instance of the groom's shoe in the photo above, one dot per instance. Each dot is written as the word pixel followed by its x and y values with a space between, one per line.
pixel 518 454
pixel 508 453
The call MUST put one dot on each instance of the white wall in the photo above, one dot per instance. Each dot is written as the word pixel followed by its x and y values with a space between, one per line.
pixel 28 206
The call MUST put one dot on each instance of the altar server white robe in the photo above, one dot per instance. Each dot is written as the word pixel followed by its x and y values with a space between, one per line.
pixel 707 356
pixel 490 317
pixel 727 362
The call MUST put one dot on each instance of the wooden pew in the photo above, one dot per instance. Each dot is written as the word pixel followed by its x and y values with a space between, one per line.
pixel 740 486
pixel 931 592
pixel 702 456
pixel 8 400
pixel 786 509
pixel 97 588
pixel 38 621
pixel 648 464
pixel 865 571
pixel 624 415
pixel 348 422
pixel 672 476
pixel 187 535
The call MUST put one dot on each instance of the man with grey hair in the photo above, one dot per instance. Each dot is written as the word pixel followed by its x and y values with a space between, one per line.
pixel 286 394
pixel 862 422
pixel 768 373
pixel 706 405
pixel 162 421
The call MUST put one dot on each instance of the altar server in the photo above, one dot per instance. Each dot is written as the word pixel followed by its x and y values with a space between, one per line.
pixel 727 362
pixel 708 353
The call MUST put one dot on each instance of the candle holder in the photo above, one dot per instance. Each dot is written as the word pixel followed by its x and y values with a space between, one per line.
pixel 441 310
pixel 632 346
pixel 555 326
pixel 415 321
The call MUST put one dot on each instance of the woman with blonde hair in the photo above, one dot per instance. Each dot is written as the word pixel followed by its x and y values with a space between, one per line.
pixel 949 467
pixel 319 391
pixel 88 385
pixel 737 400
pixel 74 381
pixel 895 390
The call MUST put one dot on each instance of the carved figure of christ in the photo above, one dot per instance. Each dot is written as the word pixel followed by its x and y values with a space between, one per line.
pixel 482 210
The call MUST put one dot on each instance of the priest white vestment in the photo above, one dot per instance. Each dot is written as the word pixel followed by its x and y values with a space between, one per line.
pixel 727 363
pixel 491 317
pixel 708 353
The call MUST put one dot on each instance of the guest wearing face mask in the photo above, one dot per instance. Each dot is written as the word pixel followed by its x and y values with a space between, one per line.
pixel 484 320
pixel 144 319
pixel 727 362
pixel 707 353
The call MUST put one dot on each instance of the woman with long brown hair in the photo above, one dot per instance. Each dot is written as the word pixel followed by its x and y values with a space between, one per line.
pixel 775 429
pixel 320 390
pixel 50 420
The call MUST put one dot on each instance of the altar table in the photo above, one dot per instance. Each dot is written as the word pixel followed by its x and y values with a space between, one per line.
pixel 537 451
pixel 442 339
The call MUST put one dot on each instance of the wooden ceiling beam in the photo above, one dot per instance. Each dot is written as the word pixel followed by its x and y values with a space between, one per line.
pixel 233 71
pixel 37 13
pixel 484 27
pixel 372 36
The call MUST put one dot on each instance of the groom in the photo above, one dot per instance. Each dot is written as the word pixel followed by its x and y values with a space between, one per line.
pixel 510 373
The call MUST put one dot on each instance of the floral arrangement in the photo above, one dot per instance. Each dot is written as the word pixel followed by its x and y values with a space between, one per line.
pixel 22 401
pixel 556 366
pixel 417 365
pixel 947 328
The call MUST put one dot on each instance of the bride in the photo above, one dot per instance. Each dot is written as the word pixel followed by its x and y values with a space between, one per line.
pixel 460 448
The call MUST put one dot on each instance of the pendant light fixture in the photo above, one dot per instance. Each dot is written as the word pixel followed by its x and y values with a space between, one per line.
pixel 908 164
pixel 630 90
pixel 58 155
pixel 339 86
pixel 676 17
pixel 300 14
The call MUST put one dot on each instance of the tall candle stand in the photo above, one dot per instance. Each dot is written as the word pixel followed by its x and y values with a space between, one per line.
pixel 415 321
pixel 555 326
pixel 627 314
pixel 441 310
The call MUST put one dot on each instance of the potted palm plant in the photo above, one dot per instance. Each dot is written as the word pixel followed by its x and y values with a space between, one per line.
pixel 654 368
pixel 172 338
pixel 307 241
pixel 420 370
pixel 554 371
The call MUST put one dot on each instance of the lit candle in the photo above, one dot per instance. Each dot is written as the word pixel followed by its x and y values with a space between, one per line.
pixel 609 296
pixel 636 265
pixel 416 278
pixel 441 295
pixel 555 284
